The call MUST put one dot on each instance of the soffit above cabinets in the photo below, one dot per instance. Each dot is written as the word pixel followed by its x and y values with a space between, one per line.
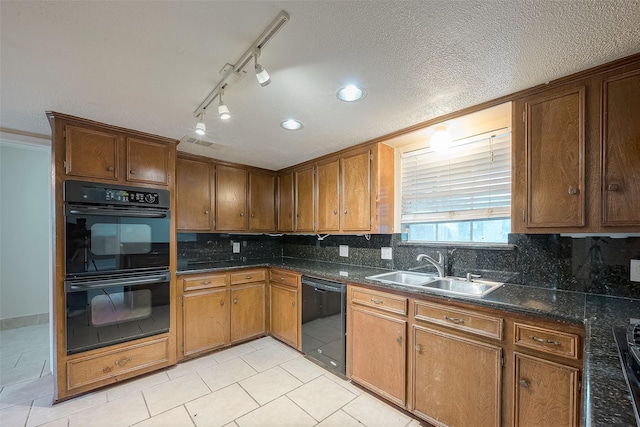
pixel 148 65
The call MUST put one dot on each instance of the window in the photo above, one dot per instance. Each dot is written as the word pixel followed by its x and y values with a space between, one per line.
pixel 461 194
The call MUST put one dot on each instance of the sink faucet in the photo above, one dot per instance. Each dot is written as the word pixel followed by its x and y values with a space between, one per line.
pixel 439 265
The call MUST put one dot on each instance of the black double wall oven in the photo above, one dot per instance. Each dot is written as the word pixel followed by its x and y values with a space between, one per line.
pixel 117 279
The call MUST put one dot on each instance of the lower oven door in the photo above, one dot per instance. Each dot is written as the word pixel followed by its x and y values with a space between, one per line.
pixel 103 311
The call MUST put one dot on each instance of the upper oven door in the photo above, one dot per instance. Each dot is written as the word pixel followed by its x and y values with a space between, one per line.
pixel 111 239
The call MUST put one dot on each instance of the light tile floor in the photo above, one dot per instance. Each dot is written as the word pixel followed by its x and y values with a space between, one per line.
pixel 260 383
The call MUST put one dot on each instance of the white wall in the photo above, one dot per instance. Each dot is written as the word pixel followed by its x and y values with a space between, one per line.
pixel 25 212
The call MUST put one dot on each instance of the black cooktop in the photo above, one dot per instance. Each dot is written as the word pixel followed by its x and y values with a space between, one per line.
pixel 628 341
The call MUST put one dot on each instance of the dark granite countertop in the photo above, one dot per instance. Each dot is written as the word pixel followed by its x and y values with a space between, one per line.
pixel 605 396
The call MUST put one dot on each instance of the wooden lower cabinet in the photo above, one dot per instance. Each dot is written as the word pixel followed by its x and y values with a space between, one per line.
pixel 247 311
pixel 456 381
pixel 205 323
pixel 284 317
pixel 377 351
pixel 545 394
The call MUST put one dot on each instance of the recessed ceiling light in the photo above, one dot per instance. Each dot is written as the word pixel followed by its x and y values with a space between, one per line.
pixel 291 124
pixel 350 93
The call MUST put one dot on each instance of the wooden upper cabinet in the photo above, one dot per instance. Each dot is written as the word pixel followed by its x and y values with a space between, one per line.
pixel 304 200
pixel 555 154
pixel 328 196
pixel 356 192
pixel 621 150
pixel 147 162
pixel 91 153
pixel 194 195
pixel 285 202
pixel 231 198
pixel 262 190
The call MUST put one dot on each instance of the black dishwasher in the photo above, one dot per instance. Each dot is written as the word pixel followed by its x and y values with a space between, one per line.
pixel 323 322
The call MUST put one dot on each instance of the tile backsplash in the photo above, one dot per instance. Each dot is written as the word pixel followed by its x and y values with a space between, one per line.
pixel 597 265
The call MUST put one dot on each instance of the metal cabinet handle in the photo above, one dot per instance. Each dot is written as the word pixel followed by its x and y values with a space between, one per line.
pixel 524 383
pixel 335 211
pixel 221 302
pixel 455 320
pixel 544 341
pixel 110 168
pixel 235 300
pixel 132 171
pixel 208 282
pixel 241 213
pixel 418 348
pixel 248 277
pixel 206 212
pixel 345 211
pixel 289 215
pixel 613 187
pixel 283 279
pixel 377 301
pixel 573 190
pixel 253 215
pixel 399 340
pixel 123 362
pixel 293 303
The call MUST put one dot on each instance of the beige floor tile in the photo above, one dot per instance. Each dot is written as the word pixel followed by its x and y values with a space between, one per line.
pixel 231 424
pixel 176 417
pixel 270 384
pixel 135 385
pixel 28 371
pixel 227 373
pixel 279 413
pixel 267 358
pixel 121 412
pixel 340 419
pixel 374 413
pixel 170 394
pixel 303 369
pixel 321 397
pixel 184 368
pixel 26 391
pixel 415 423
pixel 29 357
pixel 261 343
pixel 221 407
pixel 233 352
pixel 43 411
pixel 344 383
pixel 15 415
pixel 8 362
pixel 62 422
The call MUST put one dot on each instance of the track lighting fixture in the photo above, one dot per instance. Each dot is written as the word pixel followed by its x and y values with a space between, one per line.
pixel 223 110
pixel 261 74
pixel 201 128
pixel 238 69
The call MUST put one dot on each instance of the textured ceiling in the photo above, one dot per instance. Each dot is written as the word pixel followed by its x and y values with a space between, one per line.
pixel 148 65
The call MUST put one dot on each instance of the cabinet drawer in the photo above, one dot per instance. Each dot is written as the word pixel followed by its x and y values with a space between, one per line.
pixel 380 300
pixel 475 323
pixel 284 277
pixel 91 369
pixel 547 340
pixel 204 282
pixel 248 276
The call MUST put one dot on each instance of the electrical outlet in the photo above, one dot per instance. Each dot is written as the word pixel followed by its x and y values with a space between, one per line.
pixel 344 250
pixel 386 253
pixel 236 247
pixel 635 270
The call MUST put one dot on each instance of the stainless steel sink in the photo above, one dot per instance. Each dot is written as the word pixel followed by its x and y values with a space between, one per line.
pixel 408 278
pixel 446 285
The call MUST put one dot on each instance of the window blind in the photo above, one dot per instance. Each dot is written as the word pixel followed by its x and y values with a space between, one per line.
pixel 470 180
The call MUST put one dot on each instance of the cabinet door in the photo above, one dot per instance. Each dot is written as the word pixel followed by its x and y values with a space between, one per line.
pixel 546 393
pixel 377 353
pixel 555 150
pixel 147 162
pixel 304 200
pixel 194 187
pixel 356 192
pixel 284 314
pixel 285 202
pixel 205 322
pixel 247 311
pixel 328 196
pixel 91 154
pixel 451 373
pixel 262 193
pixel 621 150
pixel 231 198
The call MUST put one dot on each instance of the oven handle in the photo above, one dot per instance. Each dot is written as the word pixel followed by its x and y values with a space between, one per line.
pixel 83 285
pixel 114 212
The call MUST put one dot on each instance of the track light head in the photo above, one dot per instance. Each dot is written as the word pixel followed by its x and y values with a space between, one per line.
pixel 201 128
pixel 261 74
pixel 223 110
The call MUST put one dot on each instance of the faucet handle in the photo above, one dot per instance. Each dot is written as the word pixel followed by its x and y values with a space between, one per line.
pixel 472 276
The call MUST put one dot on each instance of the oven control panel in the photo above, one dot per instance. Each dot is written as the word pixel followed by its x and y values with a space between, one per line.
pixel 129 196
pixel 105 194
